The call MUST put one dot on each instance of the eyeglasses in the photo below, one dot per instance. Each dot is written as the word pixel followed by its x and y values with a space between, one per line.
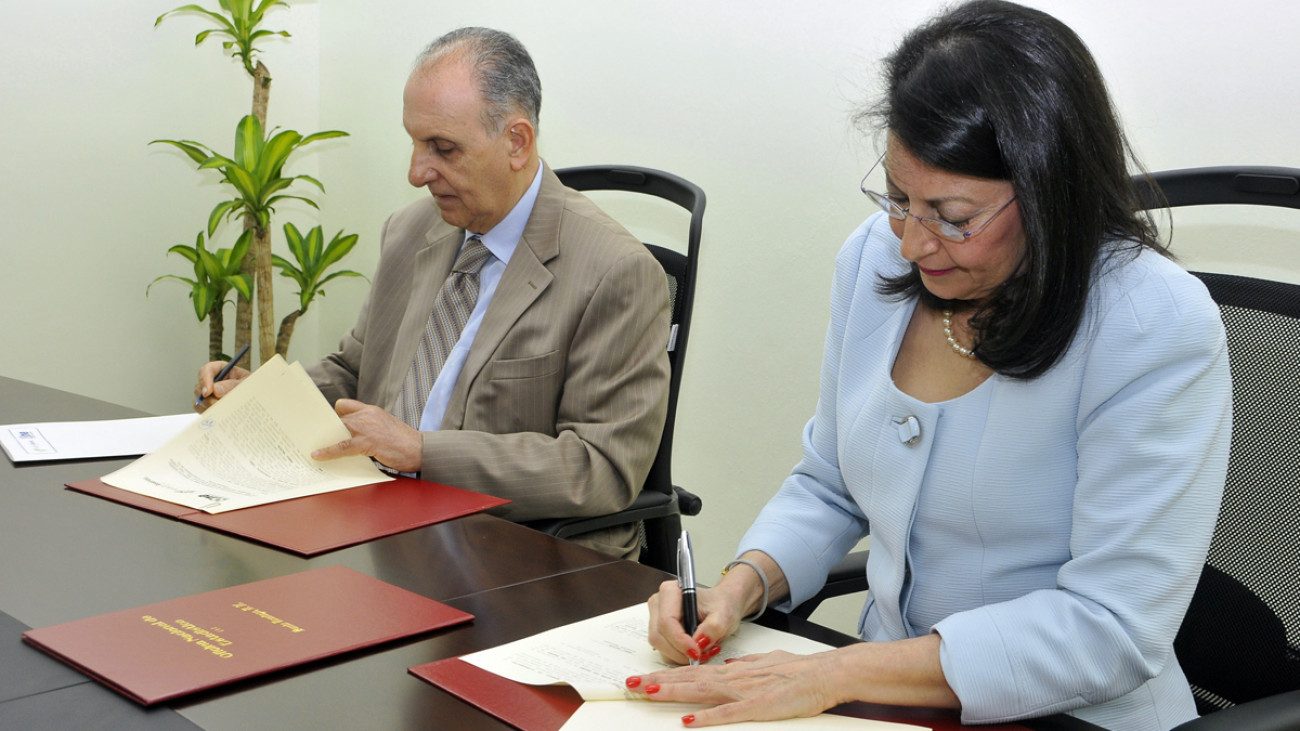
pixel 945 230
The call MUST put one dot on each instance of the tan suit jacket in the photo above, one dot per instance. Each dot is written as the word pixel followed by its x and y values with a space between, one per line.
pixel 562 399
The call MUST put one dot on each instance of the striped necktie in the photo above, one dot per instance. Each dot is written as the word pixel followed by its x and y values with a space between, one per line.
pixel 450 312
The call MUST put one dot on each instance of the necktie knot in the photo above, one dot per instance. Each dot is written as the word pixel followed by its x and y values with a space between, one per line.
pixel 472 257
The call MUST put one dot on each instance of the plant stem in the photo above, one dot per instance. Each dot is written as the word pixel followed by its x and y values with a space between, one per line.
pixel 286 333
pixel 260 252
pixel 261 92
pixel 244 307
pixel 216 327
pixel 265 296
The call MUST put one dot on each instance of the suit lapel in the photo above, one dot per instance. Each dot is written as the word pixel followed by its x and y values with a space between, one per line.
pixel 523 281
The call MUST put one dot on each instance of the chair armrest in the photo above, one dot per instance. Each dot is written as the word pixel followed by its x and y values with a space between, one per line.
pixel 647 505
pixel 1279 712
pixel 688 503
pixel 848 577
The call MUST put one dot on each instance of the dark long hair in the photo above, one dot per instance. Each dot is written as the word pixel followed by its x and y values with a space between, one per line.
pixel 996 90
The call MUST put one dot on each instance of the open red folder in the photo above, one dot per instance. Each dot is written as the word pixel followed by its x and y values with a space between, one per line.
pixel 526 707
pixel 165 650
pixel 548 707
pixel 319 523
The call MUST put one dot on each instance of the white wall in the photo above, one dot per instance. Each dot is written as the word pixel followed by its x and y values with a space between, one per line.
pixel 89 208
pixel 748 99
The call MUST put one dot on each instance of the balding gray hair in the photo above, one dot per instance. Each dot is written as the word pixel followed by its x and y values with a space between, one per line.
pixel 506 76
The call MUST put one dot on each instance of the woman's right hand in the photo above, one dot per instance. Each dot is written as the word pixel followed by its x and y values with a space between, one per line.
pixel 720 610
pixel 719 618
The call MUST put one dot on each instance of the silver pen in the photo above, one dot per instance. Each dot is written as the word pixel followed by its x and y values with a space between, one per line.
pixel 686 580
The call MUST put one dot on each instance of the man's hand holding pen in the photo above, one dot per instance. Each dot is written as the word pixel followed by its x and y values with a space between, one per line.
pixel 210 386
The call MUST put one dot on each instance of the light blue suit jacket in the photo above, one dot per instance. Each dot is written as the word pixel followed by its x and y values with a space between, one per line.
pixel 1068 516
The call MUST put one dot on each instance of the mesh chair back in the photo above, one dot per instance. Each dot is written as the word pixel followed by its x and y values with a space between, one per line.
pixel 1240 640
pixel 677 267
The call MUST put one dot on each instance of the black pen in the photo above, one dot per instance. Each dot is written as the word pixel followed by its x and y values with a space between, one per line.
pixel 686 580
pixel 225 370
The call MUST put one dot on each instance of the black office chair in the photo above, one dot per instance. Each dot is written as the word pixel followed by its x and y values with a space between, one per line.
pixel 1240 641
pixel 659 507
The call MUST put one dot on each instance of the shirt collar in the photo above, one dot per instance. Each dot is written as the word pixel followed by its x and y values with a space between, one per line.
pixel 502 238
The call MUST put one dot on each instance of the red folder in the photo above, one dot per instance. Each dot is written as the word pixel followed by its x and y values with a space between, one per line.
pixel 162 651
pixel 319 523
pixel 526 707
pixel 547 707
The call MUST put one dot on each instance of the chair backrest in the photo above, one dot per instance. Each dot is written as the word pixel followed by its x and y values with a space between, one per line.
pixel 1241 638
pixel 680 269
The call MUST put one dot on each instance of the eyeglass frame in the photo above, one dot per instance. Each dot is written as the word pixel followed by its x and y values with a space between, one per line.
pixel 946 229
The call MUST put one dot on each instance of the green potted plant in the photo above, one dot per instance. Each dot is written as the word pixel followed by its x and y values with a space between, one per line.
pixel 255 173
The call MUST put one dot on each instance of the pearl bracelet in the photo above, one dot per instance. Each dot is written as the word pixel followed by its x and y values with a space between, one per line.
pixel 762 607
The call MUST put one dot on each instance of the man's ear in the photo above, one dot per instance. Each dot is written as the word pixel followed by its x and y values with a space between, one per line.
pixel 521 137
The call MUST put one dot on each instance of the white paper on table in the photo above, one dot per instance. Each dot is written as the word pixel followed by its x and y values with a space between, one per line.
pixel 90 439
pixel 251 448
pixel 596 656
pixel 646 715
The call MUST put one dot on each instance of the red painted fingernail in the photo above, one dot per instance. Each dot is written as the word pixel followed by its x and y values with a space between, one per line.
pixel 703 641
pixel 693 654
pixel 633 682
pixel 652 688
pixel 688 719
pixel 713 651
pixel 729 660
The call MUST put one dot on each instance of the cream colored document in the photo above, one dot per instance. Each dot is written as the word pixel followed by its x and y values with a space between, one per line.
pixel 655 716
pixel 252 447
pixel 596 656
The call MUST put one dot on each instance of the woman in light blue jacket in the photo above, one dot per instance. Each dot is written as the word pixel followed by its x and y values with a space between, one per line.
pixel 1023 401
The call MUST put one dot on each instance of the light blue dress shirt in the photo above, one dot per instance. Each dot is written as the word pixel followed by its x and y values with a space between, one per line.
pixel 501 240
pixel 1050 530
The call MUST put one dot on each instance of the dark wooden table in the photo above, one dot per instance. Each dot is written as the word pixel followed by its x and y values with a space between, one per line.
pixel 65 555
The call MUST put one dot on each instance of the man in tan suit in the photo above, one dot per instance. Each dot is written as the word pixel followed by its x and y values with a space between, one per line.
pixel 555 394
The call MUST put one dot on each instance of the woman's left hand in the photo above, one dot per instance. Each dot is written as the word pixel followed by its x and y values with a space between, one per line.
pixel 766 687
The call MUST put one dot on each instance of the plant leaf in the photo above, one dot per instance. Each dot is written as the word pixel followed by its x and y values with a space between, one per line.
pixel 315 243
pixel 203 36
pixel 244 183
pixel 329 134
pixel 242 245
pixel 211 266
pixel 218 17
pixel 243 284
pixel 222 210
pixel 262 33
pixel 195 151
pixel 338 248
pixel 203 298
pixel 275 153
pixel 156 280
pixel 311 180
pixel 248 142
pixel 293 237
pixel 285 266
pixel 186 251
pixel 217 161
pixel 339 273
pixel 279 198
